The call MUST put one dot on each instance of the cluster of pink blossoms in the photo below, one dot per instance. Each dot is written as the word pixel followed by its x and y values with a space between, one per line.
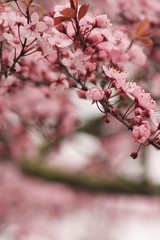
pixel 141 112
pixel 128 16
pixel 43 57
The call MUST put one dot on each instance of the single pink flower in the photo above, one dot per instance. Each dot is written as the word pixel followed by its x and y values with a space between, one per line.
pixel 119 79
pixel 102 21
pixel 141 133
pixel 145 102
pixel 56 38
pixel 114 74
pixel 76 62
pixel 95 94
pixel 14 41
pixel 36 28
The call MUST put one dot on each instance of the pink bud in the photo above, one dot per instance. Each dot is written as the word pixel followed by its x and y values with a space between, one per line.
pixel 106 119
pixel 90 67
pixel 138 119
pixel 81 94
pixel 158 126
pixel 108 92
pixel 142 132
pixel 134 155
pixel 115 111
pixel 138 111
pixel 89 50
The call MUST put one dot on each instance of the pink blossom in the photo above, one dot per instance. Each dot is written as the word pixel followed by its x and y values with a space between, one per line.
pixel 90 67
pixel 145 102
pixel 36 27
pixel 95 37
pixel 12 40
pixel 87 21
pixel 102 21
pixel 76 62
pixel 56 38
pixel 114 74
pixel 119 78
pixel 111 38
pixel 137 56
pixel 60 84
pixel 40 62
pixel 138 10
pixel 141 133
pixel 95 94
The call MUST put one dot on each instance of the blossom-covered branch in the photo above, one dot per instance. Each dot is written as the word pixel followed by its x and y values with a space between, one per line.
pixel 43 57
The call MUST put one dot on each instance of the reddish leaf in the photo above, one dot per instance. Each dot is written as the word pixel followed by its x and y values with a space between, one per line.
pixel 82 11
pixel 142 26
pixel 147 41
pixel 69 12
pixel 27 2
pixel 43 11
pixel 74 4
pixel 146 33
pixel 60 19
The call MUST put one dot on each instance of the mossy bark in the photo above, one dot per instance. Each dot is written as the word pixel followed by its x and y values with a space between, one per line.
pixel 89 182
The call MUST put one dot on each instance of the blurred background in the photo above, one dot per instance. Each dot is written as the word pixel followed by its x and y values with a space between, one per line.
pixel 85 186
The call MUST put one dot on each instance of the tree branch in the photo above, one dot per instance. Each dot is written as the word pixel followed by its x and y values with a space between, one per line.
pixel 90 182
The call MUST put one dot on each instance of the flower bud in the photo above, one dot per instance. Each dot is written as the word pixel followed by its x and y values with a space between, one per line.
pixel 138 111
pixel 114 111
pixel 134 155
pixel 108 92
pixel 138 119
pixel 158 126
pixel 81 94
pixel 90 67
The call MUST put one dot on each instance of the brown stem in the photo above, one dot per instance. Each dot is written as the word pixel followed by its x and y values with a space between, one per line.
pixel 130 45
pixel 12 68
